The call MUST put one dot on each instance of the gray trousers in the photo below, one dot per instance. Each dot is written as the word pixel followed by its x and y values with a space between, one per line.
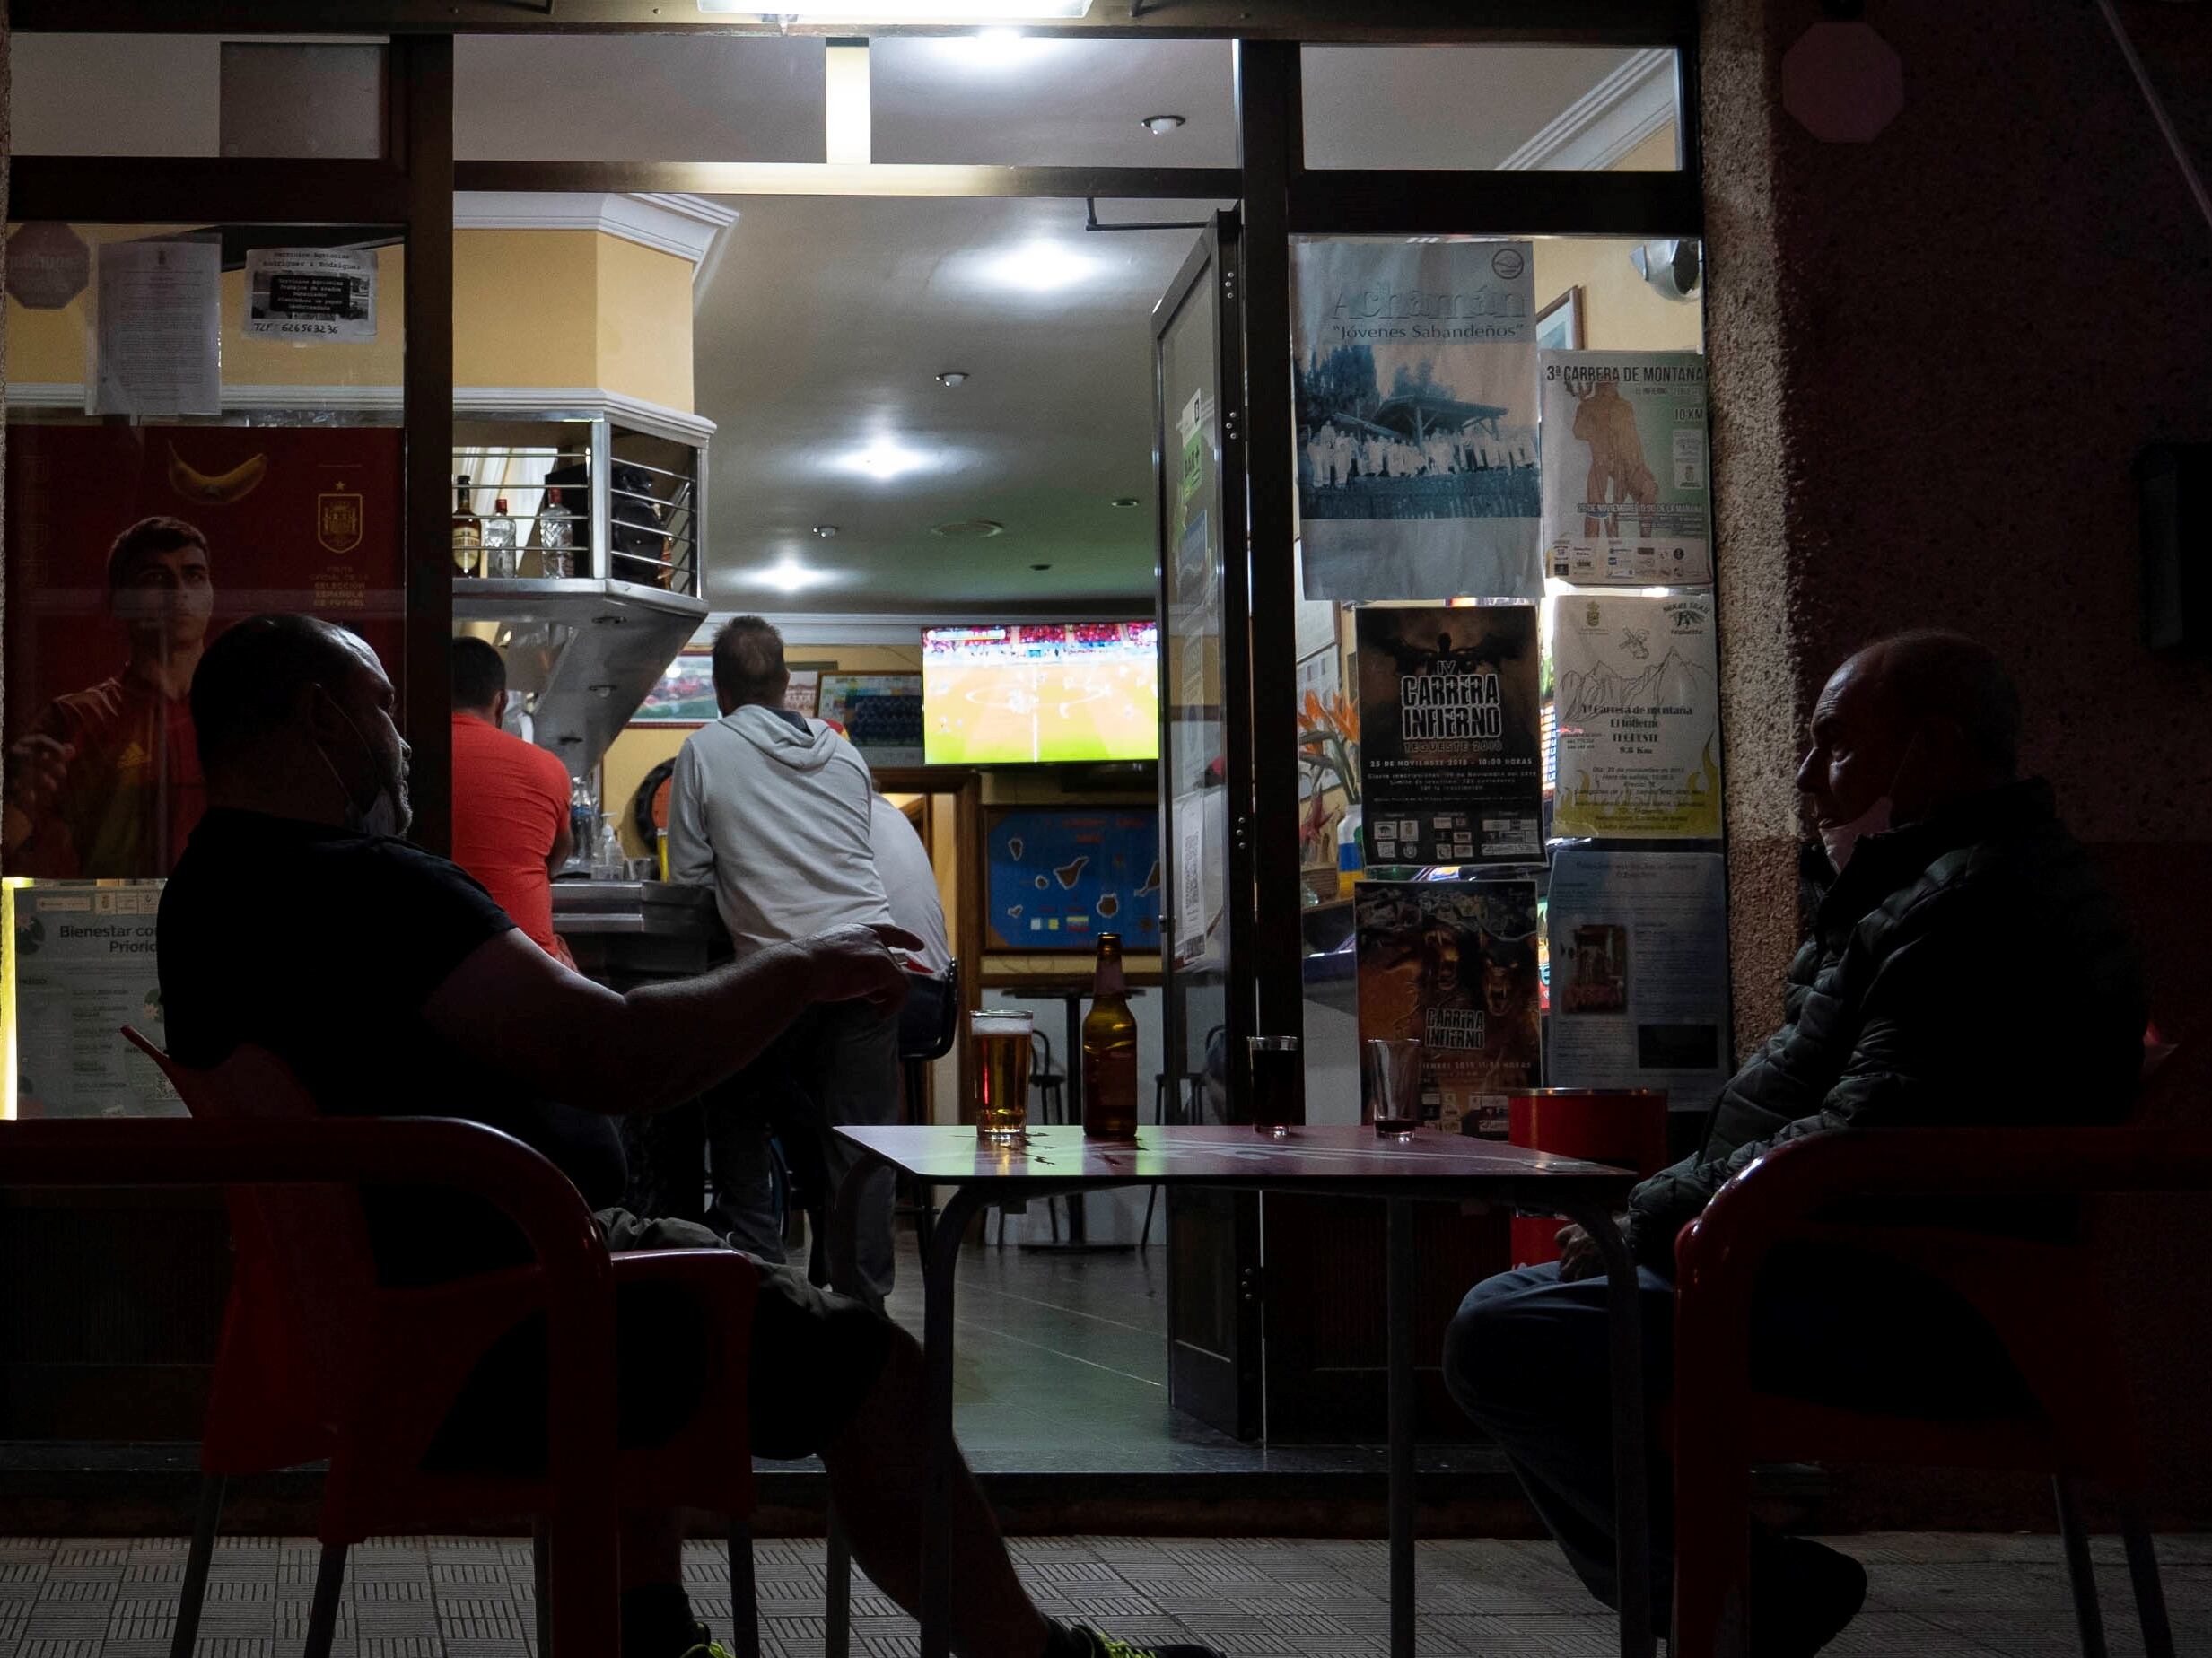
pixel 837 1066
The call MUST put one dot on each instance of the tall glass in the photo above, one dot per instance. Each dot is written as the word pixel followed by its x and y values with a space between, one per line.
pixel 1278 1073
pixel 1390 1098
pixel 999 1042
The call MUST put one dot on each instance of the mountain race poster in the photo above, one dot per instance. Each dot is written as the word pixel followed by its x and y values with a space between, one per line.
pixel 1452 963
pixel 1451 756
pixel 1637 699
pixel 1626 495
pixel 1416 369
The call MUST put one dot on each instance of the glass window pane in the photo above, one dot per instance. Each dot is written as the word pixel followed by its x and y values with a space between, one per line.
pixel 1592 294
pixel 115 94
pixel 1549 109
pixel 203 425
pixel 983 100
pixel 296 99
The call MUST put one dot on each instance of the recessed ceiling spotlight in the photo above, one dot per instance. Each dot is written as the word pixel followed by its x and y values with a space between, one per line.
pixel 787 575
pixel 1040 566
pixel 882 459
pixel 1122 501
pixel 827 531
pixel 952 378
pixel 1041 267
pixel 969 530
pixel 1159 126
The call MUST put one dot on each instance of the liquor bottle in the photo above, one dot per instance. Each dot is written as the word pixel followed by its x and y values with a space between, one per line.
pixel 1109 1050
pixel 467 530
pixel 498 541
pixel 556 538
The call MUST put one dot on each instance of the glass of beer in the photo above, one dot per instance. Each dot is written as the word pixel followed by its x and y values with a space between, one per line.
pixel 999 1044
pixel 1391 1099
pixel 1277 1073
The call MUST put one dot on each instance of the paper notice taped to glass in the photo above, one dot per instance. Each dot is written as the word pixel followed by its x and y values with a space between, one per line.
pixel 1640 974
pixel 157 337
pixel 312 295
pixel 82 966
pixel 1202 878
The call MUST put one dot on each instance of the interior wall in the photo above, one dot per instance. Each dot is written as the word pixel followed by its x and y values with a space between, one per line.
pixel 1620 312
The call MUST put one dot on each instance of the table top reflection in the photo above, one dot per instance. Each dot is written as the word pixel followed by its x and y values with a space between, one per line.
pixel 1216 1155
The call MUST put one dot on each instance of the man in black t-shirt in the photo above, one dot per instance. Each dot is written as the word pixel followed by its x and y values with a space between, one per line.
pixel 391 984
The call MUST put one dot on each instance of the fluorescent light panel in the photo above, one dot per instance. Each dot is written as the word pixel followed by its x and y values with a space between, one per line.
pixel 907 11
pixel 845 106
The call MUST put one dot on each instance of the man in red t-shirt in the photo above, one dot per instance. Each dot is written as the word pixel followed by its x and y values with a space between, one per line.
pixel 511 827
pixel 107 781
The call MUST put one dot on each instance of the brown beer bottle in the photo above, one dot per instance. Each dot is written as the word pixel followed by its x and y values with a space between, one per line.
pixel 1109 1050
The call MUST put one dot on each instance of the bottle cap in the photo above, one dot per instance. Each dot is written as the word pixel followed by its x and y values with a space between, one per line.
pixel 500 504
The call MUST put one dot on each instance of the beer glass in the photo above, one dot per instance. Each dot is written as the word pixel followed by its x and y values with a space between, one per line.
pixel 1392 1098
pixel 999 1042
pixel 1278 1071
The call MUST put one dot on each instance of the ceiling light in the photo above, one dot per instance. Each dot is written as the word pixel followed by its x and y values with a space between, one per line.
pixel 1040 566
pixel 825 530
pixel 787 575
pixel 952 378
pixel 882 459
pixel 1122 501
pixel 994 48
pixel 849 124
pixel 969 530
pixel 1159 124
pixel 1042 267
pixel 905 11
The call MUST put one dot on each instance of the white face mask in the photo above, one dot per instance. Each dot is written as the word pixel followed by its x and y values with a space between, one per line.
pixel 382 816
pixel 1841 839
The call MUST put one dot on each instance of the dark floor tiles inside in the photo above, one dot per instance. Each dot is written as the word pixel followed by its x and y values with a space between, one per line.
pixel 1933 1596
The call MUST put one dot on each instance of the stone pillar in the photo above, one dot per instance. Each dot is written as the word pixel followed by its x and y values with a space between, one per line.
pixel 1935 357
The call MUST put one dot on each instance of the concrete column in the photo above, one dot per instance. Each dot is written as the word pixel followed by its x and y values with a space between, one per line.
pixel 1935 357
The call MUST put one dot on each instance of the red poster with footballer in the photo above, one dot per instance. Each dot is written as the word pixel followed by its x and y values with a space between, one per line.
pixel 130 548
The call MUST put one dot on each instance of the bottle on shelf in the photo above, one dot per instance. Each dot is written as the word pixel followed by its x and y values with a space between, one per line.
pixel 467 530
pixel 1109 1050
pixel 607 863
pixel 557 537
pixel 498 558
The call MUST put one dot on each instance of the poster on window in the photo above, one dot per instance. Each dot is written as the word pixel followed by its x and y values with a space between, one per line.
pixel 129 549
pixel 311 295
pixel 1636 701
pixel 157 330
pixel 1639 972
pixel 1416 383
pixel 1626 490
pixel 1453 964
pixel 1450 761
pixel 83 967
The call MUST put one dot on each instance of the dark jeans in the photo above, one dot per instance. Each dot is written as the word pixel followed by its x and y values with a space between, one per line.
pixel 1526 1359
pixel 838 1065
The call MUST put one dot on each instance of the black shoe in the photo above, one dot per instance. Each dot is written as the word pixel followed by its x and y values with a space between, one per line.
pixel 1081 1641
pixel 1802 1594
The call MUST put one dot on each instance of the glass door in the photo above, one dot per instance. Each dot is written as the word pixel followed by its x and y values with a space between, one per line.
pixel 1206 770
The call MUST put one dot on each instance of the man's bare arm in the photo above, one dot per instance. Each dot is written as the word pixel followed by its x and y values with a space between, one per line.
pixel 515 1008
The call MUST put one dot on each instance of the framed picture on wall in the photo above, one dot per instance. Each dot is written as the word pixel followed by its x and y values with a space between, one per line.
pixel 1055 877
pixel 1559 325
pixel 683 694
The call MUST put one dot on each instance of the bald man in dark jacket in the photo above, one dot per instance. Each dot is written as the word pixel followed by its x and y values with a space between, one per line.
pixel 1966 969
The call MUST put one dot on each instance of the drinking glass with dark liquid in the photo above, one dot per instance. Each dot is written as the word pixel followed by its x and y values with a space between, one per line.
pixel 1391 1096
pixel 1278 1075
pixel 999 1042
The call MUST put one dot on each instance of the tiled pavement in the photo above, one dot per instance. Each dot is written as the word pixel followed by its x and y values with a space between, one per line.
pixel 1933 1597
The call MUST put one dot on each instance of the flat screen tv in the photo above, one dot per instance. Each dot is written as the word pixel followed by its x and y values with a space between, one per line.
pixel 1040 691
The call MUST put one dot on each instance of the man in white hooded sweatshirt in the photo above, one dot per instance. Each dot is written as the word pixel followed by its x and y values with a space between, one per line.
pixel 772 810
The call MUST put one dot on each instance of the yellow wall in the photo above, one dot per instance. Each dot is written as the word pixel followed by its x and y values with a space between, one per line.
pixel 644 323
pixel 530 307
pixel 1620 312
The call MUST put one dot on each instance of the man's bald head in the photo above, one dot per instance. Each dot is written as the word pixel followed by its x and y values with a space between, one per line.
pixel 1923 717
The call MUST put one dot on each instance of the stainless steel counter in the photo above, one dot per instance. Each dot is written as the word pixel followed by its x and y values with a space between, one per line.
pixel 624 933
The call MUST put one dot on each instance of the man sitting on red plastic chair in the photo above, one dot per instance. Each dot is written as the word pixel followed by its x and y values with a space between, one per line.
pixel 392 985
pixel 1965 968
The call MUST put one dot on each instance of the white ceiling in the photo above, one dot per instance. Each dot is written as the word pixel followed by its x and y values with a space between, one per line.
pixel 819 332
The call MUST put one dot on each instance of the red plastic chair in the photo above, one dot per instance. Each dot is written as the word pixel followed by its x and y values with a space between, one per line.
pixel 2044 1302
pixel 318 1361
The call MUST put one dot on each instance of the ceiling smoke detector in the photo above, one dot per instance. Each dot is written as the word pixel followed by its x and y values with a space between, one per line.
pixel 970 530
pixel 828 532
pixel 1160 125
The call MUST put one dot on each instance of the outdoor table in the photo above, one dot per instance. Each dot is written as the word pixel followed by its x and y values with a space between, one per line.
pixel 1348 1161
